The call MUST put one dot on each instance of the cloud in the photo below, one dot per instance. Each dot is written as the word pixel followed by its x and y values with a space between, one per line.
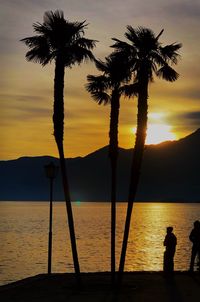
pixel 188 94
pixel 191 117
pixel 184 9
pixel 188 119
pixel 193 94
pixel 23 109
pixel 34 112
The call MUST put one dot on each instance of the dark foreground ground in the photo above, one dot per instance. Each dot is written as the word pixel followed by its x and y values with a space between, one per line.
pixel 136 286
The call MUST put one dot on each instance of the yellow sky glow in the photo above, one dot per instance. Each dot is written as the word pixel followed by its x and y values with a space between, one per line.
pixel 158 130
pixel 158 133
pixel 26 89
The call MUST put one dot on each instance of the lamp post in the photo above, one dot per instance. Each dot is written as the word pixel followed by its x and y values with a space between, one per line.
pixel 50 171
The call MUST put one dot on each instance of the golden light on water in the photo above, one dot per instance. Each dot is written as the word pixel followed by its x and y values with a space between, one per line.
pixel 24 233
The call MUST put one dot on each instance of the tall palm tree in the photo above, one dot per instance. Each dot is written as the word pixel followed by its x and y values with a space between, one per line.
pixel 107 88
pixel 63 42
pixel 147 57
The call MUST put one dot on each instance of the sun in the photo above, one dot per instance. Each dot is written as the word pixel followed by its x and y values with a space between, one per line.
pixel 158 133
pixel 158 130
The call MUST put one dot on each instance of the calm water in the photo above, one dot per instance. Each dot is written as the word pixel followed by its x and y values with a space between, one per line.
pixel 24 237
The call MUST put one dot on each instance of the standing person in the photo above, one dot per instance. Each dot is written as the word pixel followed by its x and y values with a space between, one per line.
pixel 195 239
pixel 170 243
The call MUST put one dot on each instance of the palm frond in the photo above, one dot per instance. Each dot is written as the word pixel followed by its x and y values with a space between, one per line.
pixel 36 57
pixel 39 50
pixel 132 35
pixel 157 58
pixel 147 42
pixel 74 31
pixel 86 43
pixel 101 97
pixel 79 26
pixel 51 21
pixel 118 68
pixel 101 66
pixel 130 90
pixel 167 73
pixel 160 33
pixel 99 82
pixel 34 41
pixel 121 46
pixel 169 52
pixel 76 55
pixel 97 86
pixel 51 17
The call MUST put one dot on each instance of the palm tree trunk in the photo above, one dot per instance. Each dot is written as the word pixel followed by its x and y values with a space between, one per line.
pixel 113 218
pixel 135 168
pixel 58 120
pixel 113 154
pixel 69 213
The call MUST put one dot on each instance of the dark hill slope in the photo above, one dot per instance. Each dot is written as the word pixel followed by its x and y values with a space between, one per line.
pixel 170 172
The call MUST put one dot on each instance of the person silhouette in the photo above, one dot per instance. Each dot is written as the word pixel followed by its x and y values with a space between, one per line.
pixel 170 243
pixel 195 239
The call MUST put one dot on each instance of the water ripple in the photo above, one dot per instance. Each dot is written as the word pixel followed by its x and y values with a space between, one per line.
pixel 24 237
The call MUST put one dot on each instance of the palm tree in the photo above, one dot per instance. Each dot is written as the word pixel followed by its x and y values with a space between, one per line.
pixel 63 42
pixel 147 58
pixel 107 88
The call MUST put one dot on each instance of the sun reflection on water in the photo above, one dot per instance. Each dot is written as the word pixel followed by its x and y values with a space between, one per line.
pixel 24 236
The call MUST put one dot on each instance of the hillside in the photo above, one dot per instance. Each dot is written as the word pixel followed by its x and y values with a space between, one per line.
pixel 170 172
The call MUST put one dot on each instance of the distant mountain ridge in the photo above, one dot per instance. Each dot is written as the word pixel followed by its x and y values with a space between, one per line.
pixel 170 172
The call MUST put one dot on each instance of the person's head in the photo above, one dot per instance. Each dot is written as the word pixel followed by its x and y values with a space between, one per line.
pixel 196 224
pixel 169 230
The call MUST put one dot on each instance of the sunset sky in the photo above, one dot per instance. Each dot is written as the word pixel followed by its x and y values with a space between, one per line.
pixel 26 89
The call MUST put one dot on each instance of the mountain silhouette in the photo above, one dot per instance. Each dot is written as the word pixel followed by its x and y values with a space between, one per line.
pixel 170 172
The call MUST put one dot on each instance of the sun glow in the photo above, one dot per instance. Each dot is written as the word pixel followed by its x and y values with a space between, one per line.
pixel 157 133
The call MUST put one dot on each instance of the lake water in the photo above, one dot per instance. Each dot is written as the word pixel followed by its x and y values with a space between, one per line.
pixel 24 236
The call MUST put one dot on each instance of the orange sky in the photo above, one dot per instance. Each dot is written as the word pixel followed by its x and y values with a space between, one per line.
pixel 26 89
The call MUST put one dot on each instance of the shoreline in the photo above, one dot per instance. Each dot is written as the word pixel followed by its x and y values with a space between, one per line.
pixel 103 201
pixel 137 286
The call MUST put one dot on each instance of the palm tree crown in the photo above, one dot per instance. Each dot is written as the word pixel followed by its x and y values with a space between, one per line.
pixel 115 74
pixel 146 53
pixel 56 36
pixel 108 88
pixel 62 41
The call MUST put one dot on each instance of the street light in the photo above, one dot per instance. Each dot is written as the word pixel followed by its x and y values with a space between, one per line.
pixel 50 171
